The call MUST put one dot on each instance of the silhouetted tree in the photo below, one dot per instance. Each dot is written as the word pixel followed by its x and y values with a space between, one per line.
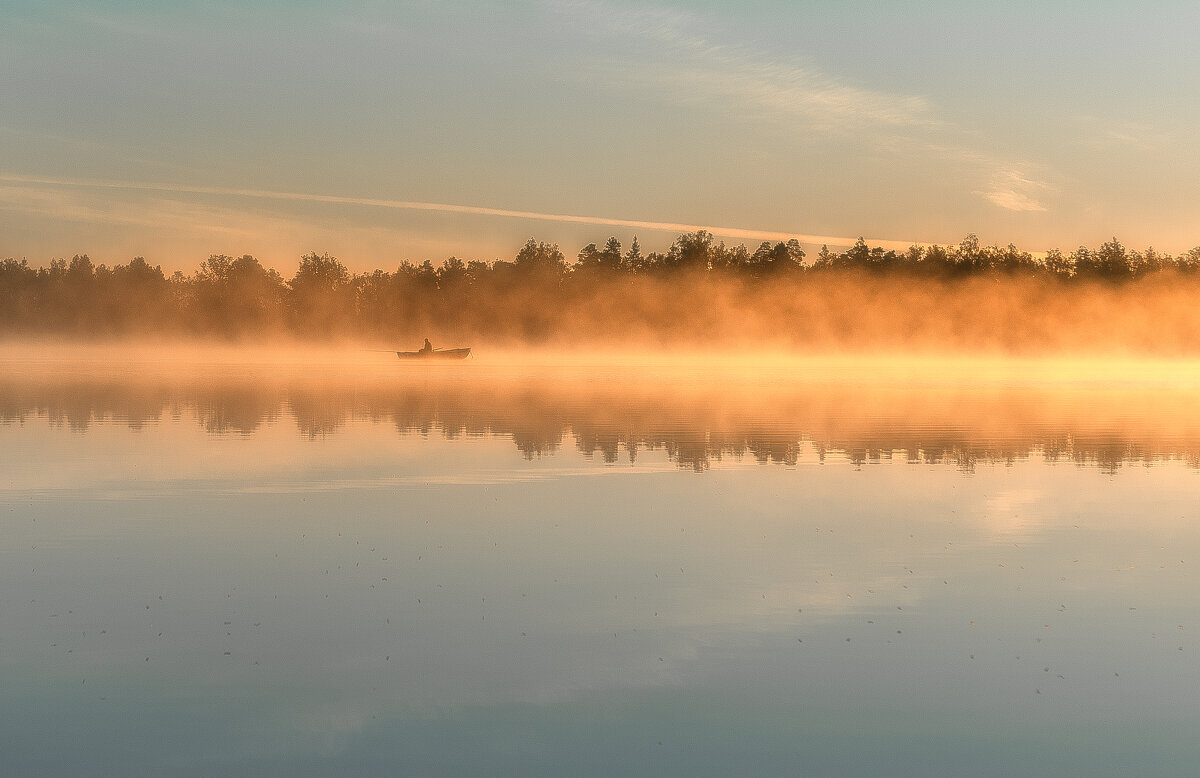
pixel 1011 260
pixel 690 251
pixel 610 255
pixel 321 298
pixel 477 270
pixel 1111 261
pixel 452 275
pixel 541 262
pixel 606 261
pixel 1082 263
pixel 81 270
pixel 969 257
pixel 938 260
pixel 772 260
pixel 536 295
pixel 633 258
pixel 729 260
pixel 142 297
pixel 588 257
pixel 239 295
pixel 1190 262
pixel 18 295
pixel 1058 265
pixel 857 257
pixel 1148 262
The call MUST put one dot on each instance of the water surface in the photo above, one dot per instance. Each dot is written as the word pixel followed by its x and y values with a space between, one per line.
pixel 249 570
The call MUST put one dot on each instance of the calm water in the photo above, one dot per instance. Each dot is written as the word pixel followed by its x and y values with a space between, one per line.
pixel 245 571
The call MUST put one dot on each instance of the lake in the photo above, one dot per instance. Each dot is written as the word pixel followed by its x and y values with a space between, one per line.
pixel 567 568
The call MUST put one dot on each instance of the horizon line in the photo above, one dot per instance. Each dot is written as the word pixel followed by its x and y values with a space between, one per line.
pixel 473 210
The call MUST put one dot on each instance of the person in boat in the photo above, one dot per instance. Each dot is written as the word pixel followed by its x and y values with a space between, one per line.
pixel 428 347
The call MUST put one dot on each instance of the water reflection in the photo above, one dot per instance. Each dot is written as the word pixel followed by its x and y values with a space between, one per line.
pixel 261 573
pixel 696 423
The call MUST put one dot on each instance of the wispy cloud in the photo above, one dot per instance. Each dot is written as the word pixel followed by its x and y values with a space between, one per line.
pixel 697 67
pixel 694 64
pixel 1014 191
pixel 91 214
pixel 792 93
pixel 62 201
pixel 1106 134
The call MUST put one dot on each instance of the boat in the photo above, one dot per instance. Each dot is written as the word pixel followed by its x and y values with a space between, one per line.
pixel 437 353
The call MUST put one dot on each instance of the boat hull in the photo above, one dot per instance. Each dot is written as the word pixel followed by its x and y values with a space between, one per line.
pixel 446 353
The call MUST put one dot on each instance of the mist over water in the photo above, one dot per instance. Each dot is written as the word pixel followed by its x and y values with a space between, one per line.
pixel 700 409
pixel 699 295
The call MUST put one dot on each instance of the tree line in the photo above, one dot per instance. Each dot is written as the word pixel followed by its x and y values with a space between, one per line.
pixel 526 297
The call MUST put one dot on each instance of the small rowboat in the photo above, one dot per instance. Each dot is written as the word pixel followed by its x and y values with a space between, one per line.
pixel 437 353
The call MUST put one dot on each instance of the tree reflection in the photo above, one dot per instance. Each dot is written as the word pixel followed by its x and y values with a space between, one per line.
pixel 805 424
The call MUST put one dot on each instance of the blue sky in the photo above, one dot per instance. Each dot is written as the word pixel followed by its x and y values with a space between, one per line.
pixel 1040 124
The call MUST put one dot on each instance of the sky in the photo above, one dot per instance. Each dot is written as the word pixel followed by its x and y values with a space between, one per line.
pixel 409 130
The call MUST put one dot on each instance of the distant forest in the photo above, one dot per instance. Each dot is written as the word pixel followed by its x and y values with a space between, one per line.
pixel 699 291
